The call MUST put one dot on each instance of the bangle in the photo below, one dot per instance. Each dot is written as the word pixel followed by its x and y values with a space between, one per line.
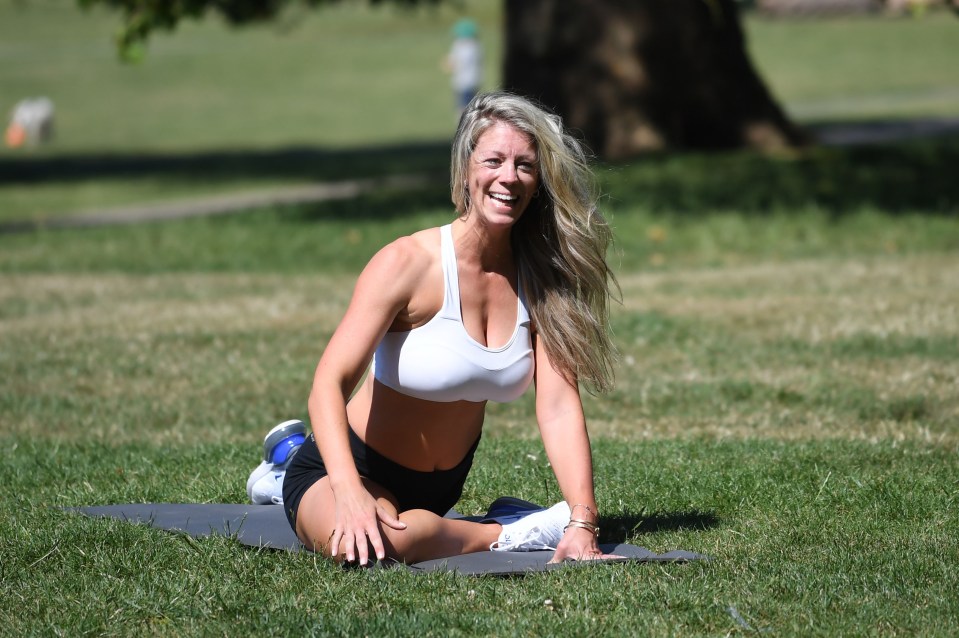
pixel 588 509
pixel 593 529
pixel 577 522
pixel 584 523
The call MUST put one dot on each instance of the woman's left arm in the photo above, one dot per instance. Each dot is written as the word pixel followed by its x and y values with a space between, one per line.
pixel 562 426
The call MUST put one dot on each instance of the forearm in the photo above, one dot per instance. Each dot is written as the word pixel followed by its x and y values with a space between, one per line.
pixel 569 452
pixel 327 407
pixel 568 448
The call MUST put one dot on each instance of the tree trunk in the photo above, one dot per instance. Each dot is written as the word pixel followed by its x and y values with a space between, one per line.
pixel 634 76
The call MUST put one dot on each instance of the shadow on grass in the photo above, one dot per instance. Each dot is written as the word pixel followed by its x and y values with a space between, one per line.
pixel 314 163
pixel 378 205
pixel 620 527
pixel 897 177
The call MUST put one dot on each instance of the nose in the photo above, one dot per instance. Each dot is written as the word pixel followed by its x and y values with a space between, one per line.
pixel 508 173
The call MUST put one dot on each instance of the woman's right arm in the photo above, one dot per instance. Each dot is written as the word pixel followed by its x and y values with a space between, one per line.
pixel 382 292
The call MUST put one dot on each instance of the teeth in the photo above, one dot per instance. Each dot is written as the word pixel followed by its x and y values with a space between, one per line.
pixel 503 198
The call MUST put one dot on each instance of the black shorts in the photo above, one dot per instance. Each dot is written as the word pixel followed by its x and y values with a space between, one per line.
pixel 436 491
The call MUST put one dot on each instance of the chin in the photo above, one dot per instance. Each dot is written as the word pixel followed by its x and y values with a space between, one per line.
pixel 501 222
pixel 502 218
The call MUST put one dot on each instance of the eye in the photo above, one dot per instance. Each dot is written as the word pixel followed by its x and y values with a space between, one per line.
pixel 493 161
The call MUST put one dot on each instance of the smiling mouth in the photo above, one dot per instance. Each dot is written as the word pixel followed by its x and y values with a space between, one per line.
pixel 502 197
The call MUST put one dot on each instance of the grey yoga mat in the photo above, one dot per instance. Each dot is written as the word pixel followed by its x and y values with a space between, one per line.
pixel 266 526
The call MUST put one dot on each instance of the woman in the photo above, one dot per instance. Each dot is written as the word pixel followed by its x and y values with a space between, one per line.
pixel 514 291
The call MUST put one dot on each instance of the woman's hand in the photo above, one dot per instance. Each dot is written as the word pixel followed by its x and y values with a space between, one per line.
pixel 357 526
pixel 579 544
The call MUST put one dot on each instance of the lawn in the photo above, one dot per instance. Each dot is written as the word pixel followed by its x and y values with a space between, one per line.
pixel 351 91
pixel 786 396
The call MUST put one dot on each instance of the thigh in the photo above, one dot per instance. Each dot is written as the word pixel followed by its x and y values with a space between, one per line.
pixel 316 515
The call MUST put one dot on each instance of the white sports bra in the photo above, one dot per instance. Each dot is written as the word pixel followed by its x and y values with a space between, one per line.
pixel 440 361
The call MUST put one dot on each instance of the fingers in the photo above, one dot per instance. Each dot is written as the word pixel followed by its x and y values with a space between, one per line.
pixel 599 556
pixel 362 546
pixel 353 546
pixel 390 519
pixel 587 555
pixel 580 547
pixel 362 539
pixel 375 538
pixel 357 541
pixel 561 558
pixel 335 539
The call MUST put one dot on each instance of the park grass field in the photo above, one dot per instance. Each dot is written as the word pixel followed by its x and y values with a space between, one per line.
pixel 787 384
pixel 208 104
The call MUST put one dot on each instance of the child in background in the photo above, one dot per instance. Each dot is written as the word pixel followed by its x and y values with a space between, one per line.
pixel 465 62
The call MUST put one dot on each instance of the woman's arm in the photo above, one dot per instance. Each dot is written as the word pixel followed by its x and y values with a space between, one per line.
pixel 383 291
pixel 562 425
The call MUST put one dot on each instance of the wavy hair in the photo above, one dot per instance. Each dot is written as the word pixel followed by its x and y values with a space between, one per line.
pixel 559 242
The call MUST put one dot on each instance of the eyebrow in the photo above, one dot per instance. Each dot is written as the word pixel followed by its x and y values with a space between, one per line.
pixel 534 157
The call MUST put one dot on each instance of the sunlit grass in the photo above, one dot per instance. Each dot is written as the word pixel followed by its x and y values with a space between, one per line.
pixel 859 67
pixel 786 392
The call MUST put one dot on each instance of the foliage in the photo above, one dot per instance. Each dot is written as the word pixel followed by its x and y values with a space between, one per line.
pixel 143 17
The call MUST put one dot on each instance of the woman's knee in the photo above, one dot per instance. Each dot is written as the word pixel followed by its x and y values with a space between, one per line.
pixel 315 516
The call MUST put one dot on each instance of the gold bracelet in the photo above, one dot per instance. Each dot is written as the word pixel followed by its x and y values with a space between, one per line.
pixel 583 524
pixel 588 509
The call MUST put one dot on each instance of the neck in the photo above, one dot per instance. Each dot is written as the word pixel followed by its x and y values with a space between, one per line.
pixel 490 248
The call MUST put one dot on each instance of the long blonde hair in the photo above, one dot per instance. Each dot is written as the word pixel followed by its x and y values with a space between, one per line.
pixel 559 243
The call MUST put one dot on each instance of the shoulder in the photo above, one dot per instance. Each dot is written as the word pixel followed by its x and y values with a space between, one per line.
pixel 410 253
pixel 402 263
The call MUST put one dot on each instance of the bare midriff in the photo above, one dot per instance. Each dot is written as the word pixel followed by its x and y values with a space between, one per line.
pixel 418 434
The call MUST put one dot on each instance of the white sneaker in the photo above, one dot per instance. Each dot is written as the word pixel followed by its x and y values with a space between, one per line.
pixel 261 470
pixel 537 531
pixel 265 485
pixel 282 442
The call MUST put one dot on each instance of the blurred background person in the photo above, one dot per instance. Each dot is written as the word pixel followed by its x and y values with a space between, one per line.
pixel 464 63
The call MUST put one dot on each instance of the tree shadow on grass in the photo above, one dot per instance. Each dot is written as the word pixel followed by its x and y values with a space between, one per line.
pixel 620 527
pixel 385 204
pixel 311 163
pixel 896 177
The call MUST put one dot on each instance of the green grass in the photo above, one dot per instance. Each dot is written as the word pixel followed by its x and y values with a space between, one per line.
pixel 338 77
pixel 786 392
pixel 668 211
pixel 859 67
pixel 807 539
pixel 212 109
pixel 794 418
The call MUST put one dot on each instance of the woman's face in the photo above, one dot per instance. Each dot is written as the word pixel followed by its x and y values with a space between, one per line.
pixel 502 175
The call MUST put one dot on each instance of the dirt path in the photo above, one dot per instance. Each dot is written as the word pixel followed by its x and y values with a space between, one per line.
pixel 879 132
pixel 221 204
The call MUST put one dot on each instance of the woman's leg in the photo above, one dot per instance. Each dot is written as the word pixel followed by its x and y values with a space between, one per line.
pixel 426 536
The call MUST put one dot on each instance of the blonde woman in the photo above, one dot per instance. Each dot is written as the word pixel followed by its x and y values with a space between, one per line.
pixel 513 293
